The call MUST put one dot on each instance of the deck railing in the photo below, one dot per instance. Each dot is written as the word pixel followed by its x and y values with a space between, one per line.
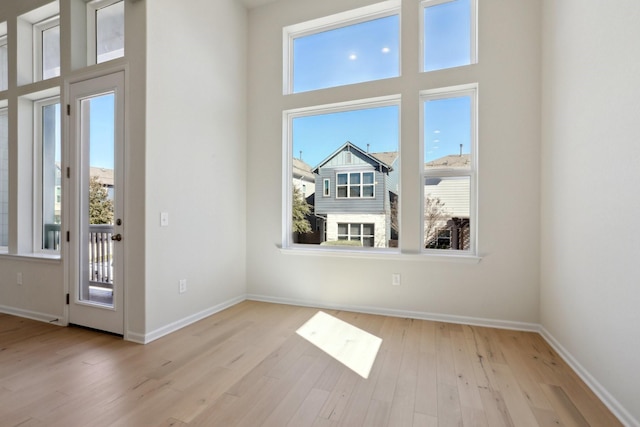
pixel 101 255
pixel 100 251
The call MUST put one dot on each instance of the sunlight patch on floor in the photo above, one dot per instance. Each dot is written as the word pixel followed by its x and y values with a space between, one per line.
pixel 349 345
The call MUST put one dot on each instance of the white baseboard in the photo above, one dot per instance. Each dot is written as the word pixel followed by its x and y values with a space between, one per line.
pixel 614 406
pixel 179 324
pixel 34 315
pixel 436 317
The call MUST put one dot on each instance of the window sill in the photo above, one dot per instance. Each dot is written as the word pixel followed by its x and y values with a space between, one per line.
pixel 383 254
pixel 51 258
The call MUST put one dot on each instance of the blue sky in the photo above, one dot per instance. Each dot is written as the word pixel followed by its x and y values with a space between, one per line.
pixel 371 51
pixel 319 136
pixel 447 124
pixel 447 35
pixel 353 54
pixel 102 138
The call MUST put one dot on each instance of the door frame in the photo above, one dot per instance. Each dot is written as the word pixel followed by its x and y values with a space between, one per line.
pixel 102 82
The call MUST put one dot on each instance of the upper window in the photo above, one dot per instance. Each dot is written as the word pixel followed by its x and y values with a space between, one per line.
pixel 4 179
pixel 448 34
pixel 355 184
pixel 48 175
pixel 46 39
pixel 105 26
pixel 353 47
pixel 449 168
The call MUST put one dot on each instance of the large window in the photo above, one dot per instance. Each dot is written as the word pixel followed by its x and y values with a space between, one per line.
pixel 31 79
pixel 449 165
pixel 48 175
pixel 353 47
pixel 351 153
pixel 448 33
pixel 105 26
pixel 4 179
pixel 351 147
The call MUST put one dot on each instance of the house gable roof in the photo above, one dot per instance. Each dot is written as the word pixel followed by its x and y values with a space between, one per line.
pixel 372 158
pixel 302 170
pixel 453 161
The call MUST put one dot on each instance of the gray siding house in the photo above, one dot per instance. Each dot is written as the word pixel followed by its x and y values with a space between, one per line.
pixel 353 195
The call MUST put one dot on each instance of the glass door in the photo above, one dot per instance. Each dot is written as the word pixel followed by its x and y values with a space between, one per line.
pixel 96 131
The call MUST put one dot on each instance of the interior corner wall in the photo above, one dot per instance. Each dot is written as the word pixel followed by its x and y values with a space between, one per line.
pixel 590 272
pixel 505 284
pixel 195 158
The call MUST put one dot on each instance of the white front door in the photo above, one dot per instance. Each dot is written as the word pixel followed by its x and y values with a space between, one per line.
pixel 96 131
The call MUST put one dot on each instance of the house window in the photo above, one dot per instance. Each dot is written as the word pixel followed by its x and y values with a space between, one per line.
pixel 326 187
pixel 46 39
pixel 4 65
pixel 352 47
pixel 4 179
pixel 449 168
pixel 448 33
pixel 105 27
pixel 355 185
pixel 47 173
pixel 358 232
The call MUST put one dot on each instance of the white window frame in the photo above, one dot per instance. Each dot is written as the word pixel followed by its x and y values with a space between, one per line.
pixel 326 187
pixel 92 27
pixel 38 60
pixel 473 31
pixel 470 90
pixel 4 43
pixel 38 222
pixel 287 140
pixel 361 184
pixel 4 111
pixel 327 23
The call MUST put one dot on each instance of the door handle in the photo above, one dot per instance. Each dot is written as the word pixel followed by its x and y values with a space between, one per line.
pixel 116 237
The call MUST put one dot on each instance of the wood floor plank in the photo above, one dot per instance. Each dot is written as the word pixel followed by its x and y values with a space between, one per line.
pixel 404 398
pixel 514 399
pixel 246 366
pixel 308 411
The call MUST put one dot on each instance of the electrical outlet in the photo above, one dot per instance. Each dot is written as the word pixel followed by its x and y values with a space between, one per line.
pixel 395 279
pixel 182 286
pixel 164 219
pixel 19 279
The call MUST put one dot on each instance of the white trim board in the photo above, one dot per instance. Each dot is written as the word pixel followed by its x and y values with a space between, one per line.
pixel 181 323
pixel 34 315
pixel 436 317
pixel 614 406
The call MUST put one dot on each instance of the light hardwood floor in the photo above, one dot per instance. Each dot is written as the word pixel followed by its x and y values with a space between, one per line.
pixel 246 366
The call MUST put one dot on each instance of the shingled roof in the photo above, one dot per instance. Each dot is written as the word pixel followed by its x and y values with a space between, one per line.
pixel 451 161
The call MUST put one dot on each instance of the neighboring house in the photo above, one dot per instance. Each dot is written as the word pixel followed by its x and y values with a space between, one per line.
pixel 303 177
pixel 447 206
pixel 304 180
pixel 353 195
